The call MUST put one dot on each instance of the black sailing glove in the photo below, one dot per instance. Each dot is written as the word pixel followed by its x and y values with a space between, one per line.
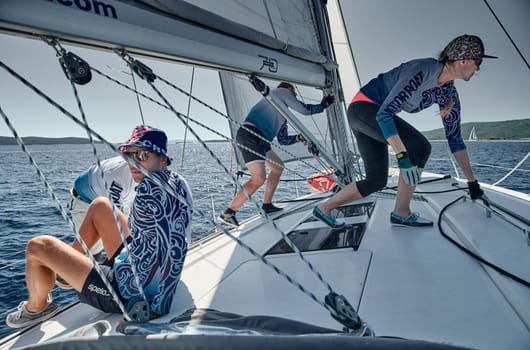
pixel 474 190
pixel 259 85
pixel 312 148
pixel 301 138
pixel 327 100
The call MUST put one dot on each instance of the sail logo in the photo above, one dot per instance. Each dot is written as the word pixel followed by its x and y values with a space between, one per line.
pixel 404 94
pixel 270 63
pixel 97 7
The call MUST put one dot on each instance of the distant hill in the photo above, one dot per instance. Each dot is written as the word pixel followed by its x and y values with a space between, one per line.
pixel 33 140
pixel 506 130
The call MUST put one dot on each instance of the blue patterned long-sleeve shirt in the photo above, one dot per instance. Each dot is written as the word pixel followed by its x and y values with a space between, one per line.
pixel 160 229
pixel 412 87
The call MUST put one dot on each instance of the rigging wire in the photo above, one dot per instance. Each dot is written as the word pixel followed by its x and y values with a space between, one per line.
pixel 492 204
pixel 507 34
pixel 229 139
pixel 512 171
pixel 138 98
pixel 131 161
pixel 458 245
pixel 63 212
pixel 187 117
pixel 324 135
pixel 135 90
pixel 56 45
pixel 333 310
pixel 337 313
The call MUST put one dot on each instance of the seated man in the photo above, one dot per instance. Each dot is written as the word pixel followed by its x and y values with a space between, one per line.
pixel 158 230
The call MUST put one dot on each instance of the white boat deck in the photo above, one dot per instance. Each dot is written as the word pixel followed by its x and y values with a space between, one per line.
pixel 404 282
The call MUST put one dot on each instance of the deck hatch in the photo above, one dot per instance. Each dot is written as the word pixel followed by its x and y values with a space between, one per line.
pixel 309 238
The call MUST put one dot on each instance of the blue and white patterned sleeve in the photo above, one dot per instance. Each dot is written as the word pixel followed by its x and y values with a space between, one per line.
pixel 159 224
pixel 451 122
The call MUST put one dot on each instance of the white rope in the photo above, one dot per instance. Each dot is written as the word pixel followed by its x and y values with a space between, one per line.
pixel 512 171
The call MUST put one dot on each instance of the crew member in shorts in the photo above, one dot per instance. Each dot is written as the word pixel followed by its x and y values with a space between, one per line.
pixel 264 120
pixel 158 231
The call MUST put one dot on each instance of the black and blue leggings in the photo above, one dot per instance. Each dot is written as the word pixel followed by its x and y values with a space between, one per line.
pixel 374 148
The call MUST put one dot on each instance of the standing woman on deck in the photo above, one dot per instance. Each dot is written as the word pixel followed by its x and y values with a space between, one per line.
pixel 372 114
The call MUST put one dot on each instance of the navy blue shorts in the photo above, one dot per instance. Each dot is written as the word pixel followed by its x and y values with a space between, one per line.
pixel 96 293
pixel 251 141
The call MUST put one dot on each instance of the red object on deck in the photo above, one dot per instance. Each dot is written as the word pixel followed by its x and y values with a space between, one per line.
pixel 323 181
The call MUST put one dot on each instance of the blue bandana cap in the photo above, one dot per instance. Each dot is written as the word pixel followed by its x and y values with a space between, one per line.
pixel 152 139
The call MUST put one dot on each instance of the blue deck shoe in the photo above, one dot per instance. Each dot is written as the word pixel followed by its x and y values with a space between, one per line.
pixel 413 220
pixel 328 220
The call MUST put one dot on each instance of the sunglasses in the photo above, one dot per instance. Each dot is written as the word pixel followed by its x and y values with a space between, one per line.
pixel 139 156
pixel 478 61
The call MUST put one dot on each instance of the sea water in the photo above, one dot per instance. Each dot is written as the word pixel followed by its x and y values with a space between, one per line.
pixel 26 209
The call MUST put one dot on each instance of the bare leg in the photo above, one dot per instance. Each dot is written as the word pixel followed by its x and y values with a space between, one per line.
pixel 45 256
pixel 257 178
pixel 274 176
pixel 99 223
pixel 404 196
pixel 348 194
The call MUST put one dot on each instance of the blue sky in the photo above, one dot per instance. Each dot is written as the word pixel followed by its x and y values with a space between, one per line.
pixel 382 33
pixel 110 110
pixel 385 33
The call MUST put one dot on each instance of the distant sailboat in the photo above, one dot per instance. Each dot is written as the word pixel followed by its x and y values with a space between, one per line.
pixel 473 135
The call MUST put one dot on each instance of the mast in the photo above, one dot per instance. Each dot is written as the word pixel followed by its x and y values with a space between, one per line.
pixel 336 113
